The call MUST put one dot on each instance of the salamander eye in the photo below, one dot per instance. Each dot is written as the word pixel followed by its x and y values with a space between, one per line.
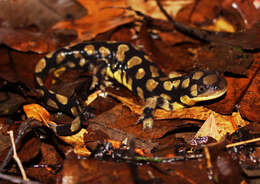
pixel 216 87
pixel 201 89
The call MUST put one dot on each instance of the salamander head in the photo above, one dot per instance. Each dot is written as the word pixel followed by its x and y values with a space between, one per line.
pixel 207 85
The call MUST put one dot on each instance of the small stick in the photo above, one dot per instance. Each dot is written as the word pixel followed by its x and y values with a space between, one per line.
pixel 15 179
pixel 19 136
pixel 242 142
pixel 15 156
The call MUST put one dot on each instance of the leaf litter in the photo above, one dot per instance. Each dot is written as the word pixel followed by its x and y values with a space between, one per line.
pixel 112 134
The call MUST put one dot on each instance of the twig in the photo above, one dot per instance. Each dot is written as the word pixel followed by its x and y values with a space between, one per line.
pixel 20 133
pixel 242 142
pixel 15 156
pixel 15 179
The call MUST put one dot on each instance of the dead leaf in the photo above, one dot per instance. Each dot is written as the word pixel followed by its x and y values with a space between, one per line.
pixel 24 40
pixel 209 128
pixel 101 17
pixel 249 10
pixel 78 143
pixel 43 14
pixel 250 103
pixel 35 111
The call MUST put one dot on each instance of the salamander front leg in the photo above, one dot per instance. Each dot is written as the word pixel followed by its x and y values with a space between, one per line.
pixel 151 104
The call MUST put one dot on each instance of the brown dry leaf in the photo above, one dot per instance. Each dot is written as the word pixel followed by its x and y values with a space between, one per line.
pixel 42 14
pixel 250 103
pixel 101 17
pixel 209 128
pixel 249 10
pixel 24 40
pixel 24 23
pixel 77 140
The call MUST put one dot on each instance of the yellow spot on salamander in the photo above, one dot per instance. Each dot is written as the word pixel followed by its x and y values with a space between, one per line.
pixel 60 57
pixel 39 81
pixel 121 50
pixel 126 83
pixel 176 83
pixel 140 73
pixel 82 62
pixel 187 100
pixel 59 71
pixel 147 58
pixel 194 90
pixel 166 97
pixel 167 85
pixel 75 124
pixel 154 71
pixel 70 64
pixel 151 85
pixel 197 75
pixel 77 54
pixel 185 83
pixel 41 92
pixel 40 65
pixel 62 99
pixel 174 74
pixel 89 49
pixel 74 111
pixel 176 106
pixel 135 60
pixel 140 92
pixel 109 72
pixel 51 103
pixel 104 52
pixel 118 76
pixel 49 55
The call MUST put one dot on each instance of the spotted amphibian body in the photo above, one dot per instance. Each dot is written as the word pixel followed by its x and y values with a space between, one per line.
pixel 131 68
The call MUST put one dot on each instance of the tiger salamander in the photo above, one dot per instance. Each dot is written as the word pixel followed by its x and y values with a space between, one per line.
pixel 133 69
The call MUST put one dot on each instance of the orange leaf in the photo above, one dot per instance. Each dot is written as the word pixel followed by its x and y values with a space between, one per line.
pixel 115 144
pixel 38 112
